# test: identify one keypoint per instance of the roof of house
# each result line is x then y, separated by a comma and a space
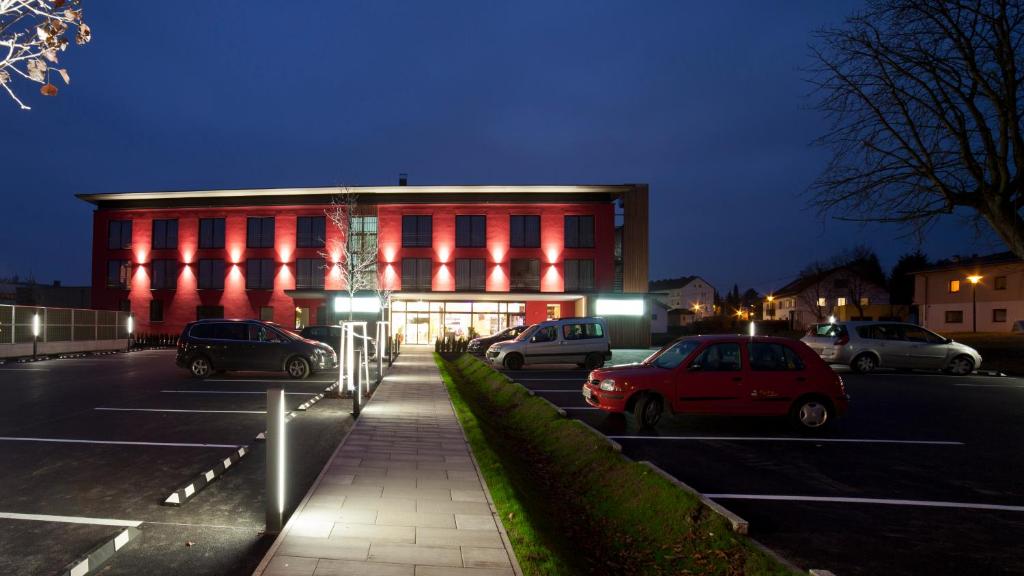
672, 283
975, 261
803, 282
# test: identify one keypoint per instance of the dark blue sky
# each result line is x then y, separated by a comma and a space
705, 101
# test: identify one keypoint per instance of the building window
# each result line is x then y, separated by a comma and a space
416, 274
119, 272
309, 274
156, 310
211, 232
165, 234
470, 231
363, 246
260, 232
865, 301
579, 275
579, 231
119, 234
525, 273
840, 301
524, 231
469, 274
954, 316
259, 274
211, 274
267, 313
310, 231
204, 312
821, 302
417, 231
165, 275
954, 286
999, 283
999, 315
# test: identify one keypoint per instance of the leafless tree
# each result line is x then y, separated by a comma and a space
819, 289
32, 34
354, 250
925, 102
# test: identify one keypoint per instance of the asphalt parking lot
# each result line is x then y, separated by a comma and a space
923, 476
92, 445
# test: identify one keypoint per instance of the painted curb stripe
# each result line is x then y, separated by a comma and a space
99, 555
115, 442
888, 501
262, 436
71, 519
182, 495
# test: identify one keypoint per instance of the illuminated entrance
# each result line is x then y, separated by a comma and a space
421, 322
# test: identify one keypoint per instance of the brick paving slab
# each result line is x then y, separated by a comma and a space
402, 496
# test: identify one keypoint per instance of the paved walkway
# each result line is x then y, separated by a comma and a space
401, 496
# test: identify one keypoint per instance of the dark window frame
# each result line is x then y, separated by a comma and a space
413, 271
259, 273
524, 230
123, 278
165, 234
310, 231
211, 233
417, 231
573, 274
528, 282
470, 231
312, 269
208, 277
996, 316
579, 231
156, 310
259, 231
165, 269
954, 316
119, 235
999, 283
470, 274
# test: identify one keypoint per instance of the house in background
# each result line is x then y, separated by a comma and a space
690, 292
945, 294
16, 291
659, 317
843, 292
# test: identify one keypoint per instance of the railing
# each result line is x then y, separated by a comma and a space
18, 324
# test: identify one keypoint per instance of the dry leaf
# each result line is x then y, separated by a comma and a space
42, 34
50, 55
36, 70
64, 75
5, 77
84, 34
48, 90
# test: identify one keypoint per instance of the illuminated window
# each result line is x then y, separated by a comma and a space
999, 283
579, 231
865, 301
469, 274
165, 275
260, 232
524, 231
309, 274
525, 274
821, 302
119, 234
954, 285
119, 272
954, 316
211, 274
310, 231
417, 231
156, 310
165, 234
999, 315
211, 232
259, 274
579, 275
416, 273
470, 231
840, 301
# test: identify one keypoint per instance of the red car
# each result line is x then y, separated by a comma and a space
741, 375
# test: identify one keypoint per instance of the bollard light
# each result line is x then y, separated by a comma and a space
751, 329
131, 325
35, 325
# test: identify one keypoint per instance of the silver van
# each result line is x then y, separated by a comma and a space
580, 341
865, 346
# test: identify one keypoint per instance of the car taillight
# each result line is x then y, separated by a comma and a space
842, 340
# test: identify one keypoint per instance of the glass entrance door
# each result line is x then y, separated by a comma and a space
417, 326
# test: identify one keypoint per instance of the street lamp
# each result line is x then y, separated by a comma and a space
974, 279
35, 333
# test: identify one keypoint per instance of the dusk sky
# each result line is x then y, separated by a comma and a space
705, 101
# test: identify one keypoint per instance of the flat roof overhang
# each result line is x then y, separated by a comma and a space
368, 195
447, 296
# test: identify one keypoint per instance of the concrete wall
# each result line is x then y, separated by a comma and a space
53, 348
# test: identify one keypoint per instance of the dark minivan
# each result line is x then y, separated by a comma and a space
208, 346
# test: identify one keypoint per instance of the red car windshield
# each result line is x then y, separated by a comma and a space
672, 355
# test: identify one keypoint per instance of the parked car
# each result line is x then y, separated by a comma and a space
865, 346
740, 375
208, 346
580, 341
479, 346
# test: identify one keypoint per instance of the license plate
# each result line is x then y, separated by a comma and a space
587, 393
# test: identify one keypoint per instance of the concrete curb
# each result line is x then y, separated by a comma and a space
817, 572
739, 525
616, 447
186, 493
89, 563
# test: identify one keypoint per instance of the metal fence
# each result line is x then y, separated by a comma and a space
18, 324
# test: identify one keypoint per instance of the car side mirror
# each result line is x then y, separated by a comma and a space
949, 340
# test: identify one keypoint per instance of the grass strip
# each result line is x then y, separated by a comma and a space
571, 505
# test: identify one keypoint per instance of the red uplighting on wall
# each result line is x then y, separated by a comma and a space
552, 280
444, 281
236, 255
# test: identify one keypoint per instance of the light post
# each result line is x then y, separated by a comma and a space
130, 325
974, 279
35, 333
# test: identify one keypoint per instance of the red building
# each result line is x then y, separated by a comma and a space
457, 258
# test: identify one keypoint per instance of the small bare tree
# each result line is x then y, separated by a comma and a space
926, 106
818, 289
32, 33
355, 252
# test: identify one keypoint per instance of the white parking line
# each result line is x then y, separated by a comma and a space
791, 439
71, 519
991, 386
26, 369
177, 410
889, 501
114, 442
233, 392
279, 380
